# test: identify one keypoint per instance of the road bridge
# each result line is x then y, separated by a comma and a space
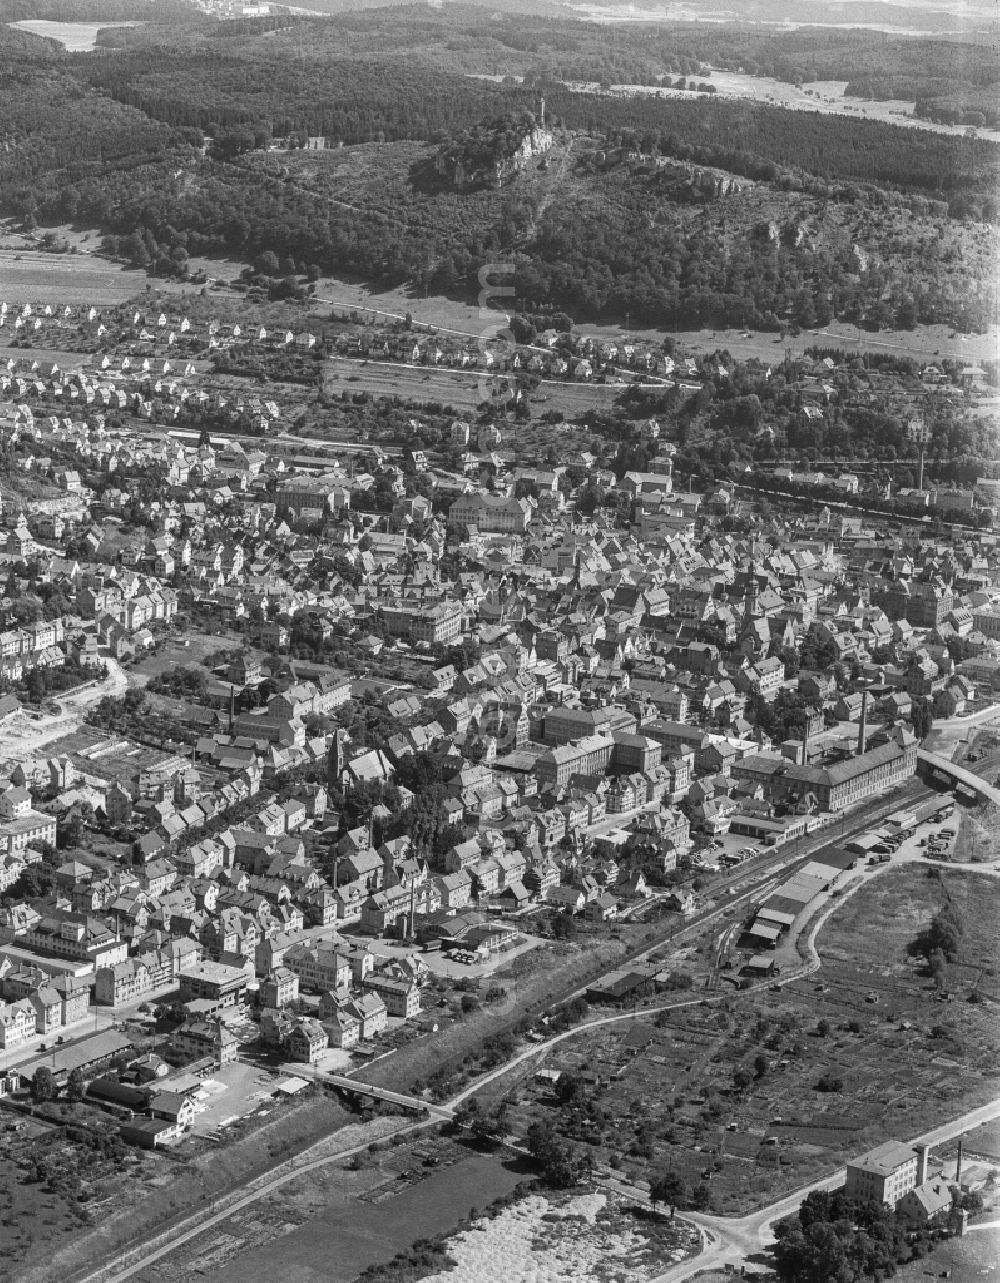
951, 773
413, 1104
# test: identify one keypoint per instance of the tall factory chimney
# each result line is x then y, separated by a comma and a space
863, 726
921, 1163
958, 1165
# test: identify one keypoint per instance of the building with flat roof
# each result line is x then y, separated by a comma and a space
214, 981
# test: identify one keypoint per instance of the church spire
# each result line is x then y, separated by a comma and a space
750, 595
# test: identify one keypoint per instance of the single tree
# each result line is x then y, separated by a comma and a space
742, 1078
75, 1085
668, 1188
43, 1085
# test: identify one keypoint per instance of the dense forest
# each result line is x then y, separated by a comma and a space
53, 128
702, 267
288, 85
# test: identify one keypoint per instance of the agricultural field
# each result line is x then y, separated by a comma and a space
459, 389
60, 279
453, 388
39, 1206
922, 343
334, 1223
52, 1186
105, 755
824, 96
772, 1090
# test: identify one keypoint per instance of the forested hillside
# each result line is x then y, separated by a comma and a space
54, 129
678, 210
300, 81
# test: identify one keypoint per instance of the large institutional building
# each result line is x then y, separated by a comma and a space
496, 514
836, 785
887, 1173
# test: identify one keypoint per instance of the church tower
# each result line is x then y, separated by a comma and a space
750, 596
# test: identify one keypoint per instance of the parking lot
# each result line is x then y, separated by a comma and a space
452, 966
335, 1060
728, 851
230, 1093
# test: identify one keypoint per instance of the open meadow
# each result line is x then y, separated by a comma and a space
455, 316
75, 37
